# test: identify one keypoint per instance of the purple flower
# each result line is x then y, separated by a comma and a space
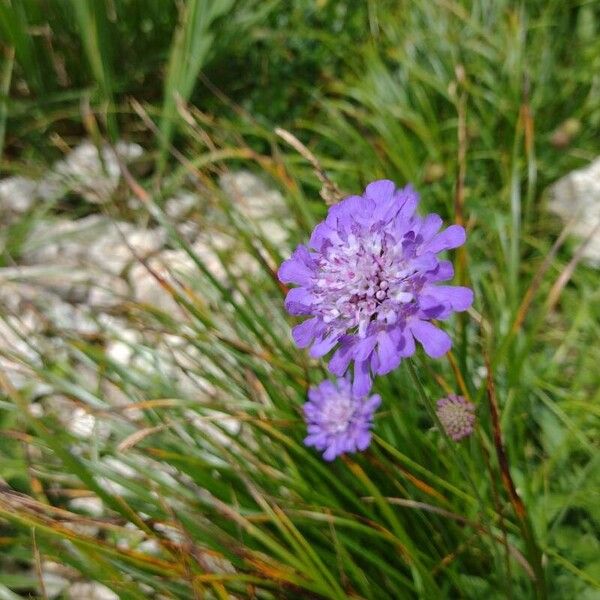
337, 420
457, 416
369, 280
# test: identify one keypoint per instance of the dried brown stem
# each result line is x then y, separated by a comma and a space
330, 192
534, 553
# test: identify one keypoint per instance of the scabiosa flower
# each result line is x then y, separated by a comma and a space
338, 421
457, 416
369, 280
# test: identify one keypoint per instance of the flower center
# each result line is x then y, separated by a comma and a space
338, 413
363, 279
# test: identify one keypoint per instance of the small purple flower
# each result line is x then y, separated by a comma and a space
369, 280
337, 420
457, 416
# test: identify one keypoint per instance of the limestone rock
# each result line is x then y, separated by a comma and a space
577, 196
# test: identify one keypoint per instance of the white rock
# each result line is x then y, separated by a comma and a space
55, 578
147, 290
177, 207
90, 505
264, 206
78, 421
20, 345
107, 291
17, 194
252, 197
93, 175
81, 423
82, 260
120, 352
73, 318
577, 196
122, 245
96, 241
91, 591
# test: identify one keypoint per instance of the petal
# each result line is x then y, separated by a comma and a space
408, 200
407, 345
374, 363
373, 403
349, 445
435, 341
432, 306
364, 347
320, 233
426, 261
430, 226
459, 297
381, 190
339, 215
298, 301
297, 268
389, 356
387, 202
330, 453
324, 345
317, 440
363, 440
305, 332
339, 362
443, 272
362, 379
452, 237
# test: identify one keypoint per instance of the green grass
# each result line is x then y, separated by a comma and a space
391, 95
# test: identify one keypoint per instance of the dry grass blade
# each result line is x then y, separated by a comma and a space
538, 278
136, 437
534, 553
407, 503
330, 192
568, 271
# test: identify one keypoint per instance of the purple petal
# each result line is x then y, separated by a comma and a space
330, 453
373, 403
430, 226
318, 440
339, 362
409, 200
364, 347
305, 332
452, 237
432, 306
321, 233
324, 345
340, 214
435, 341
362, 379
363, 440
387, 202
298, 301
381, 190
425, 262
298, 268
443, 272
460, 298
407, 345
389, 356
374, 363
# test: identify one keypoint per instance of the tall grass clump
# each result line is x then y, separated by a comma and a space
197, 455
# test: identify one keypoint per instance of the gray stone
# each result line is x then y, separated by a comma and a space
576, 197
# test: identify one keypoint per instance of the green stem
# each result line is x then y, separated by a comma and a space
451, 445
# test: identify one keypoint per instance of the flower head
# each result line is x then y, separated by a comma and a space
369, 281
457, 416
337, 420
